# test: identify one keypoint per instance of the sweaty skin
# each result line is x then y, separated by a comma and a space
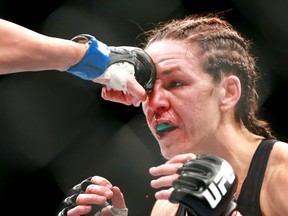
182, 83
203, 114
31, 51
189, 114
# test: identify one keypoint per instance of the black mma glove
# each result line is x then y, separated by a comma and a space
206, 187
70, 201
99, 57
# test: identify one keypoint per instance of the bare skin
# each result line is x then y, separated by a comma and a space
202, 112
98, 193
25, 50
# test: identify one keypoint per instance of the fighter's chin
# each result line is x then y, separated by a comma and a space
168, 153
166, 156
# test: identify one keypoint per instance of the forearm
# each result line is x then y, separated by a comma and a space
26, 50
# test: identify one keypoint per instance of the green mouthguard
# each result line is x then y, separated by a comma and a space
164, 126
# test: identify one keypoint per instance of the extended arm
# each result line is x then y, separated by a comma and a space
129, 71
25, 50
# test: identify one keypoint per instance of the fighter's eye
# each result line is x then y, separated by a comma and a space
175, 84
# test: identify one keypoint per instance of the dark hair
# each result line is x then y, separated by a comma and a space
224, 51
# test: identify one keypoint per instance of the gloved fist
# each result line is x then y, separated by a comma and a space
206, 186
70, 201
110, 65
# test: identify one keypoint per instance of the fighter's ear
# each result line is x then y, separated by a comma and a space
232, 87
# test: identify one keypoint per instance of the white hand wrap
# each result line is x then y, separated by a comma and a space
118, 211
115, 76
114, 211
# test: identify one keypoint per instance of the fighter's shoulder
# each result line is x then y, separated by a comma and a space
275, 182
278, 164
280, 152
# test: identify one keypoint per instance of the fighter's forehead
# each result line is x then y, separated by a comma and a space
167, 50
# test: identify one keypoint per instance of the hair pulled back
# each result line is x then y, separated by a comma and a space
224, 52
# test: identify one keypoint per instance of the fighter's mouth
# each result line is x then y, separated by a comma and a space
164, 128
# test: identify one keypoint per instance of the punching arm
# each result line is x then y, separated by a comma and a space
111, 65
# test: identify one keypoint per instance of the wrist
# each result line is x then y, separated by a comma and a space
76, 50
81, 48
95, 60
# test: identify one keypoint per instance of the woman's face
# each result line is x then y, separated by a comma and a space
183, 110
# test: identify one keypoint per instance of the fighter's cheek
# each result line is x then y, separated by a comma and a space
148, 112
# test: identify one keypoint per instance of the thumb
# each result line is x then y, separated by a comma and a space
135, 89
118, 198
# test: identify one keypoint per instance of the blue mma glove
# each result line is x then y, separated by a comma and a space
95, 61
206, 186
99, 57
70, 201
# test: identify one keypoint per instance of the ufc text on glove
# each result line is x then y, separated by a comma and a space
206, 186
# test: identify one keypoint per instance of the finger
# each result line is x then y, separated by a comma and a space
163, 194
115, 96
181, 158
135, 89
118, 198
79, 210
98, 180
120, 97
164, 181
99, 190
165, 169
135, 94
88, 199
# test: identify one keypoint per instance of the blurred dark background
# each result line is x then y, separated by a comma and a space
55, 130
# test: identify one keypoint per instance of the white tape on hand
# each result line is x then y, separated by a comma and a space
116, 75
118, 211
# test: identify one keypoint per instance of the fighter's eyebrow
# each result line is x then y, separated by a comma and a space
170, 70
